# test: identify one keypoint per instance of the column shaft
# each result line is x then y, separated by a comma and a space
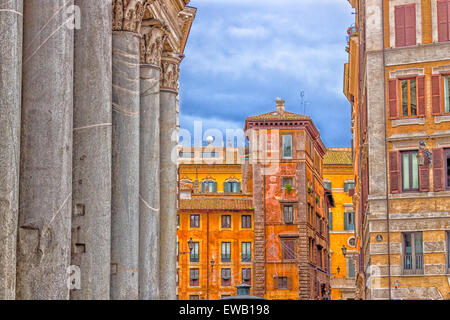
10, 102
149, 182
46, 151
91, 221
168, 219
125, 166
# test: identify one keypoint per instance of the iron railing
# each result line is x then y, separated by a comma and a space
413, 263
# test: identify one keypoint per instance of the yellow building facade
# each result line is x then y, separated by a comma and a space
339, 178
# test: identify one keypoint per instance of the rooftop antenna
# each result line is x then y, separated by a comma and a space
303, 102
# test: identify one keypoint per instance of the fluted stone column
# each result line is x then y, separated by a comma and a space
45, 202
151, 49
11, 14
91, 220
168, 157
125, 150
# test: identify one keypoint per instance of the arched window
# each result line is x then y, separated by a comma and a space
232, 186
209, 186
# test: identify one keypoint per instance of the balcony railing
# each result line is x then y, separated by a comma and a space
194, 258
246, 258
413, 264
226, 258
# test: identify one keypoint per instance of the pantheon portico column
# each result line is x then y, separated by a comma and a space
127, 18
152, 42
11, 21
168, 161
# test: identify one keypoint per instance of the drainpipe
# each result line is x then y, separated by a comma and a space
386, 153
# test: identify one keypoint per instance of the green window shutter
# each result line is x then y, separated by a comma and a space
214, 187
203, 187
226, 187
330, 220
345, 220
238, 187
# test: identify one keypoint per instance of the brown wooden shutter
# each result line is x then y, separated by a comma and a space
436, 94
400, 26
275, 283
438, 169
393, 98
424, 176
394, 171
289, 283
443, 9
421, 96
410, 25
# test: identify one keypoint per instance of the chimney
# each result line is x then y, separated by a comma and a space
280, 106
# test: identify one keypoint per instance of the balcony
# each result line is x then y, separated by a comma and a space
412, 264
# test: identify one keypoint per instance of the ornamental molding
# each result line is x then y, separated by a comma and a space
127, 15
170, 65
154, 35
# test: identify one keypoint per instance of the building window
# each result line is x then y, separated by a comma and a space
195, 256
226, 221
246, 251
210, 154
194, 297
405, 25
226, 277
319, 257
412, 253
447, 164
195, 221
209, 186
247, 276
349, 221
287, 146
226, 252
327, 185
178, 220
246, 222
282, 283
187, 155
330, 220
446, 86
288, 249
443, 16
351, 268
194, 277
410, 171
178, 251
408, 97
288, 211
448, 252
288, 181
232, 187
348, 186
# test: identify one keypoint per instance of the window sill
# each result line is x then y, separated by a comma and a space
443, 118
407, 122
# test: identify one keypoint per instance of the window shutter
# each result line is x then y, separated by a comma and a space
421, 96
410, 25
436, 94
394, 171
438, 169
345, 220
443, 9
424, 177
238, 187
393, 98
289, 283
226, 187
203, 187
275, 283
214, 187
400, 26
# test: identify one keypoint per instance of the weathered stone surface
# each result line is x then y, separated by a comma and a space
125, 167
46, 151
10, 102
168, 215
91, 222
149, 185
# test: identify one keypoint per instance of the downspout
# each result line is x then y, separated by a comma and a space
386, 152
207, 255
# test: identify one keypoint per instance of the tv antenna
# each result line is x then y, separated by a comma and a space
303, 102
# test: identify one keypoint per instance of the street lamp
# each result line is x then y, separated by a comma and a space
190, 245
212, 264
344, 250
338, 269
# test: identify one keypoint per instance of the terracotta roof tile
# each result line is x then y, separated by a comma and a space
273, 115
338, 156
216, 204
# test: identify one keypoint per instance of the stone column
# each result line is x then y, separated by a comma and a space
151, 49
45, 202
125, 150
91, 220
168, 158
11, 14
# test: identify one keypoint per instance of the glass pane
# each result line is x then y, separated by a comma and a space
415, 171
405, 159
407, 239
287, 146
404, 91
418, 242
447, 94
413, 95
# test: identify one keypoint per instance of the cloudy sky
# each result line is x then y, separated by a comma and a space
242, 54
